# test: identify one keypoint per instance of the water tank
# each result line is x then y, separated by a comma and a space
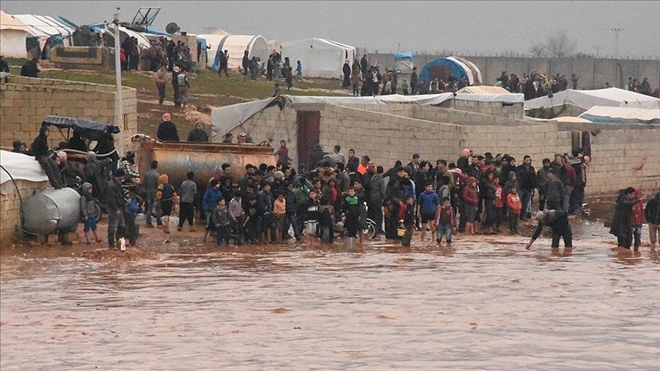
52, 210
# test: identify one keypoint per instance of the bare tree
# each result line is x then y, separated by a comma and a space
558, 45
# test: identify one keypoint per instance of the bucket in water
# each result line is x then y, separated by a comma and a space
401, 232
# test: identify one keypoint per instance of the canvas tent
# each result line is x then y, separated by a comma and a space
441, 68
319, 57
236, 45
13, 36
212, 42
46, 27
108, 34
621, 115
585, 99
403, 62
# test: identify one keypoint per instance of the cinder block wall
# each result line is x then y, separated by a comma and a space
624, 158
25, 101
10, 207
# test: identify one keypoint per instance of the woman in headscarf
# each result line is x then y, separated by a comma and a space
346, 69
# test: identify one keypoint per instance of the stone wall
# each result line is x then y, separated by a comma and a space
592, 73
10, 207
25, 101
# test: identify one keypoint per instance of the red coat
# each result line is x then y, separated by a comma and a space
470, 196
499, 192
637, 214
513, 203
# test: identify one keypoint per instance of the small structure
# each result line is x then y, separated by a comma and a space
236, 45
319, 57
579, 101
13, 36
403, 63
457, 67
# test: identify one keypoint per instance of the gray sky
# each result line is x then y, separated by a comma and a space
483, 27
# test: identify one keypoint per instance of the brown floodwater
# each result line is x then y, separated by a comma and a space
485, 303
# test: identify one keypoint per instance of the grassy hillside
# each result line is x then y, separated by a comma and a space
207, 90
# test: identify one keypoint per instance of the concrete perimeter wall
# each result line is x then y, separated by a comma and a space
25, 101
10, 207
592, 73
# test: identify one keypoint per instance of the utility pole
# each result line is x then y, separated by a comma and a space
616, 31
118, 104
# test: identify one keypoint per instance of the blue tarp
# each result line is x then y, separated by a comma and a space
403, 55
456, 69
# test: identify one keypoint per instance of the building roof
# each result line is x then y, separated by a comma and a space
585, 99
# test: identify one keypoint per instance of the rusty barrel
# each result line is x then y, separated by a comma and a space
176, 159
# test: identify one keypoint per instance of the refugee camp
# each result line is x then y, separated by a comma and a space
292, 185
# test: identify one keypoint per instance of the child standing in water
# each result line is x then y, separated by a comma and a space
88, 211
444, 221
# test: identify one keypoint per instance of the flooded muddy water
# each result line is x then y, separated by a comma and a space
485, 303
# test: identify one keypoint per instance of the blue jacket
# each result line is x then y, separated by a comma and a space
429, 201
132, 207
211, 197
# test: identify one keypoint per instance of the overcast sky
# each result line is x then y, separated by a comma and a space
483, 27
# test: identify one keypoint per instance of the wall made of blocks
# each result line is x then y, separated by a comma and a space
24, 102
386, 138
10, 207
624, 158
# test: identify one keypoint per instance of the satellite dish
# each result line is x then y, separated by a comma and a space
172, 28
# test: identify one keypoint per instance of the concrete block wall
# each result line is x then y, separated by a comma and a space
24, 102
388, 137
624, 158
10, 207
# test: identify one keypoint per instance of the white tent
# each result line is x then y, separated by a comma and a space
44, 27
621, 115
109, 32
236, 45
13, 35
585, 99
212, 42
319, 57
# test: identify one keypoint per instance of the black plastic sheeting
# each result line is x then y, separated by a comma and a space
87, 129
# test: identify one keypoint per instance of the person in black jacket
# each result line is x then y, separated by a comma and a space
167, 129
621, 222
4, 66
42, 155
652, 214
198, 134
527, 182
30, 68
558, 221
114, 201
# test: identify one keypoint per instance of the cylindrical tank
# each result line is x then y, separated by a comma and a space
52, 210
177, 159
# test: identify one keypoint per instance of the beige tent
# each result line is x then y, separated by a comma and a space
13, 35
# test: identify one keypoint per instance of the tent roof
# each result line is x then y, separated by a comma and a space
7, 22
458, 67
403, 55
621, 115
21, 167
43, 25
585, 99
316, 40
484, 89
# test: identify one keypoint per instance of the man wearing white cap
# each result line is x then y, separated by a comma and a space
167, 130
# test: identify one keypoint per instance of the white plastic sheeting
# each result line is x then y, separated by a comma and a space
21, 167
621, 115
585, 99
319, 57
226, 118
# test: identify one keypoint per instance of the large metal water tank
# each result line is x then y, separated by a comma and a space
51, 211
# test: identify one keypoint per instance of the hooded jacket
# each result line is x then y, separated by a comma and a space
87, 205
40, 143
652, 212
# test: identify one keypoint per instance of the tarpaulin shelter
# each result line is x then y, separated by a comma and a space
585, 99
319, 57
236, 45
108, 33
621, 115
441, 68
13, 36
403, 62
